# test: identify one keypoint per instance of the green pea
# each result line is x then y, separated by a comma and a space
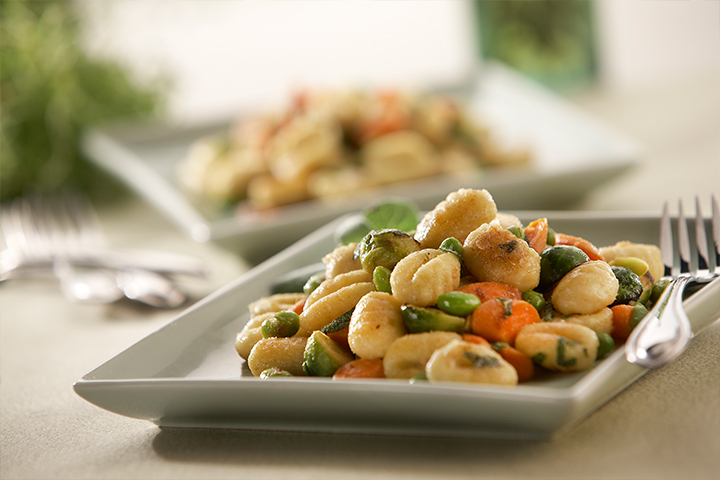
282, 324
381, 279
452, 245
535, 299
607, 344
656, 291
458, 303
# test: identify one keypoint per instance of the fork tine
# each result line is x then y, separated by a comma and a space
700, 241
716, 232
666, 242
683, 240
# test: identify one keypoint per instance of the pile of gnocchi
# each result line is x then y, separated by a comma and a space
471, 295
333, 143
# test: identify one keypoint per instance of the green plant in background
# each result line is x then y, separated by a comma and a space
50, 90
552, 41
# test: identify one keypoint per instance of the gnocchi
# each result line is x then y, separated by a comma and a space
445, 303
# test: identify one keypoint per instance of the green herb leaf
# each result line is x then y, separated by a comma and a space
398, 215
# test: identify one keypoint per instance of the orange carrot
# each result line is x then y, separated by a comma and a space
299, 306
522, 363
471, 338
488, 290
536, 234
590, 250
500, 319
361, 368
621, 321
341, 338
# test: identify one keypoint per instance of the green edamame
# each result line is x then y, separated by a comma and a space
458, 303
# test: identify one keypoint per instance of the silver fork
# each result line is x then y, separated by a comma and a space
665, 331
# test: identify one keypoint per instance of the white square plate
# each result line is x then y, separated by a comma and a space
572, 154
188, 373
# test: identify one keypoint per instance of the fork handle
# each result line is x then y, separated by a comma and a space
664, 332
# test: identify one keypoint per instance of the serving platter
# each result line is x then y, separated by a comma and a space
572, 153
188, 374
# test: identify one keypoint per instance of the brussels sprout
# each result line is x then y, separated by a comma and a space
323, 356
556, 261
381, 279
313, 282
629, 286
385, 248
421, 319
294, 281
518, 232
282, 324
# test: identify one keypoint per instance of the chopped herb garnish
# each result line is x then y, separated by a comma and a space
481, 361
507, 305
510, 246
339, 323
561, 345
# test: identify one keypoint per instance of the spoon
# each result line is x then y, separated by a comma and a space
87, 285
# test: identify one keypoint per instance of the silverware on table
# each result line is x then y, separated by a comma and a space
63, 235
665, 331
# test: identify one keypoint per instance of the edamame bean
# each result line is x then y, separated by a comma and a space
607, 344
452, 245
275, 372
282, 324
518, 232
535, 299
458, 303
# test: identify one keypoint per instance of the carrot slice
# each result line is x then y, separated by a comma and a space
299, 306
590, 250
477, 339
522, 363
341, 338
536, 233
488, 290
500, 319
361, 368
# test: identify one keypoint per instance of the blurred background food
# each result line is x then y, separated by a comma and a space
67, 66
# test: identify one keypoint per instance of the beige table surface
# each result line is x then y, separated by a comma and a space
666, 425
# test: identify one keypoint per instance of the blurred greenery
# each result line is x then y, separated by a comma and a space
50, 91
551, 41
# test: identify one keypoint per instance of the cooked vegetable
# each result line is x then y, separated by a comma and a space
500, 319
649, 253
274, 372
282, 324
637, 265
423, 319
460, 361
360, 368
297, 280
385, 248
452, 245
590, 250
522, 364
472, 338
381, 279
625, 318
458, 303
536, 234
517, 231
313, 282
535, 299
587, 288
629, 286
322, 356
606, 345
655, 292
557, 261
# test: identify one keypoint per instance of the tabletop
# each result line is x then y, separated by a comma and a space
665, 425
